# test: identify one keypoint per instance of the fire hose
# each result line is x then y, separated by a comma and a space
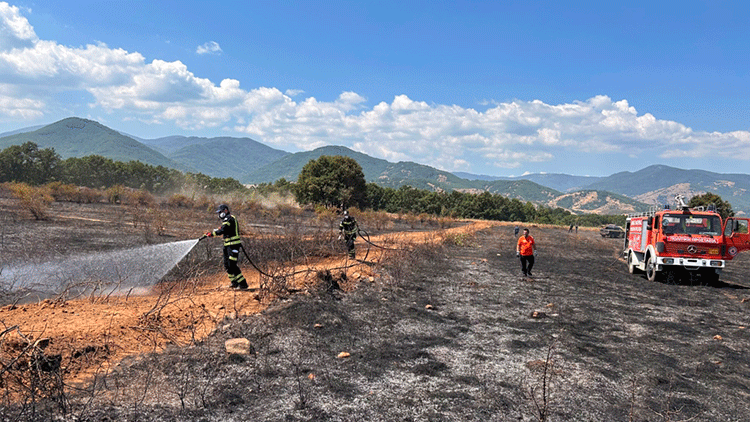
362, 233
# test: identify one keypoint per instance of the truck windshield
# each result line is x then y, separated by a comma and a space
691, 224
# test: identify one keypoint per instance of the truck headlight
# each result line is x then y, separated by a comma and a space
715, 263
668, 261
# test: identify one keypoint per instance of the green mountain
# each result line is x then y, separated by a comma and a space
597, 202
290, 165
22, 130
76, 137
557, 181
375, 170
524, 190
217, 157
658, 184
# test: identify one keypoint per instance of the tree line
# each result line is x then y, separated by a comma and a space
29, 164
338, 181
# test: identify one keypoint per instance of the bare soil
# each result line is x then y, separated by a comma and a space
439, 328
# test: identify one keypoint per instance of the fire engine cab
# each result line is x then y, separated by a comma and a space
684, 241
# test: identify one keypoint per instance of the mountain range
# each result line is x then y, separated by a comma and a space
252, 162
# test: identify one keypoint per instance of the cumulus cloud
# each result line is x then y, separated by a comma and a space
15, 30
294, 92
211, 47
451, 137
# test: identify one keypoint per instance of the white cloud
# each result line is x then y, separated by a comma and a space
294, 92
15, 30
507, 134
211, 47
24, 109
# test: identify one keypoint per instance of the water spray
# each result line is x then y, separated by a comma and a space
127, 270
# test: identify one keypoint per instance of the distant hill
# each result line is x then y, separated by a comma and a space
22, 130
170, 144
557, 181
402, 173
658, 184
217, 157
289, 166
486, 178
76, 137
597, 202
561, 182
375, 170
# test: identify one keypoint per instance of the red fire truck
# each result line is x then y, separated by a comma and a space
684, 241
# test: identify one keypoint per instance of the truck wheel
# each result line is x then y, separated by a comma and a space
651, 273
710, 277
631, 264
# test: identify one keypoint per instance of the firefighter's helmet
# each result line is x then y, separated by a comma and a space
223, 211
346, 213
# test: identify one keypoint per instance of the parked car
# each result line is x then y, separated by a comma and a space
612, 230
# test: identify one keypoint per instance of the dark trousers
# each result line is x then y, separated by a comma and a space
231, 256
349, 238
527, 263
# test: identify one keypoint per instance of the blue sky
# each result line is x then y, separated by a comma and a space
497, 88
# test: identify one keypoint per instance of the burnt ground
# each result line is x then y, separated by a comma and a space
455, 334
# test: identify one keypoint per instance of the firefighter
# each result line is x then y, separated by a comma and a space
525, 251
230, 230
348, 228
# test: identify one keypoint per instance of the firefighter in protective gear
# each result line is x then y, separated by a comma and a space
230, 230
349, 229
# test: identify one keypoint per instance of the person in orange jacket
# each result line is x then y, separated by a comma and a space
525, 251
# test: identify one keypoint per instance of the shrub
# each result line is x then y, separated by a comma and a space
204, 202
445, 222
327, 216
412, 220
115, 194
288, 210
89, 195
62, 192
377, 220
459, 239
138, 197
251, 206
179, 200
35, 199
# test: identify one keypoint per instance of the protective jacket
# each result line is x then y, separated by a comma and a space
349, 226
230, 229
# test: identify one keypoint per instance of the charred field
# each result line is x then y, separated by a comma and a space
450, 331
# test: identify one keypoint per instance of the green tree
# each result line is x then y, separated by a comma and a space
723, 207
28, 164
332, 181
